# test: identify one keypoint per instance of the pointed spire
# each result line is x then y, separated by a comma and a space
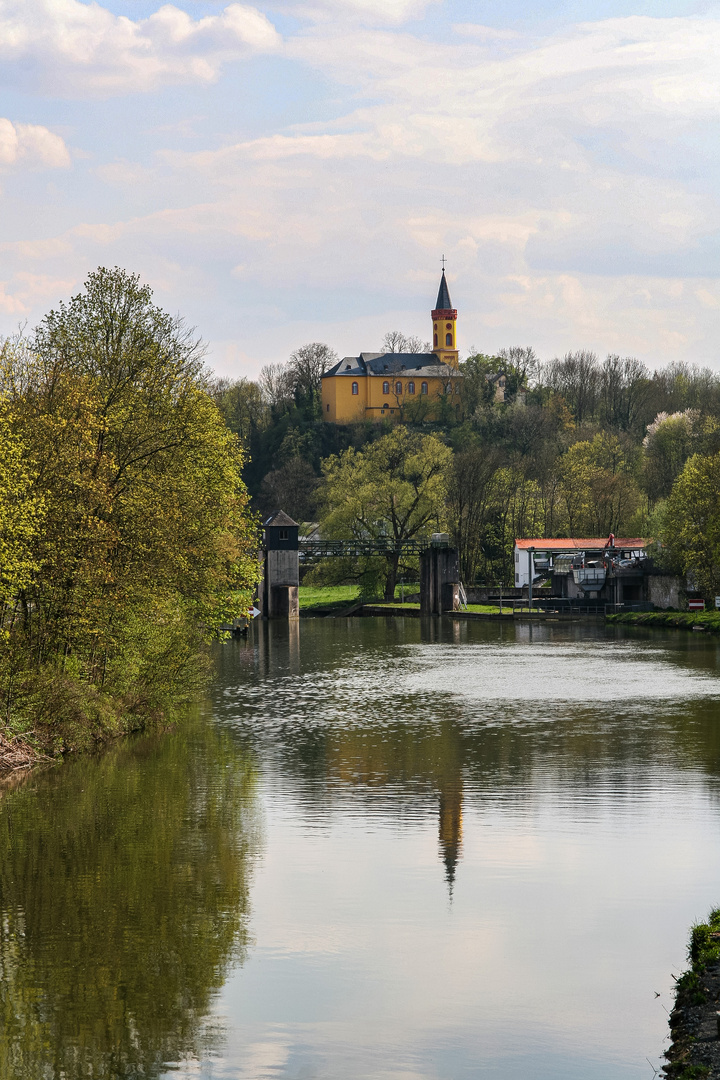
443, 298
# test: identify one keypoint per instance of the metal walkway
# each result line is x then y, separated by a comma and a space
313, 550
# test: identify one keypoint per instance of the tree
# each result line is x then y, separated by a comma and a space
241, 404
392, 490
691, 523
598, 491
669, 442
21, 512
397, 342
276, 385
524, 362
307, 365
146, 533
292, 488
577, 378
477, 390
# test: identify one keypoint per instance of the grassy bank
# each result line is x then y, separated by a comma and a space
331, 598
695, 1051
709, 620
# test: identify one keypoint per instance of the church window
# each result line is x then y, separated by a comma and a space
398, 388
448, 340
386, 389
423, 388
435, 342
411, 388
448, 326
328, 408
385, 406
355, 388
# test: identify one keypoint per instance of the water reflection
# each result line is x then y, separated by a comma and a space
561, 782
123, 903
408, 718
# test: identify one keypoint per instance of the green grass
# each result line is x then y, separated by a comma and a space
327, 597
710, 620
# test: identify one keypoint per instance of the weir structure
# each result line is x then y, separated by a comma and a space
283, 548
281, 568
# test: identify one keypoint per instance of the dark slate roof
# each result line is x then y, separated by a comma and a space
443, 302
394, 363
391, 364
281, 518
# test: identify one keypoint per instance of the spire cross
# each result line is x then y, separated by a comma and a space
443, 260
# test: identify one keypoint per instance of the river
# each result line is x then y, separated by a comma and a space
380, 850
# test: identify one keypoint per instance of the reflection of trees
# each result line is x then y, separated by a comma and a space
123, 899
325, 710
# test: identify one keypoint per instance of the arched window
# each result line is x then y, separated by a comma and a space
386, 389
448, 340
423, 388
328, 408
355, 388
411, 388
398, 388
385, 406
435, 341
457, 387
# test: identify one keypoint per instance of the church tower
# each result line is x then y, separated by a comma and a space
444, 319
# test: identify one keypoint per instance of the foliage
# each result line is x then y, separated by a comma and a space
21, 511
691, 533
686, 620
145, 533
393, 489
597, 489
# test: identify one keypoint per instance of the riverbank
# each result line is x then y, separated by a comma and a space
686, 620
694, 1052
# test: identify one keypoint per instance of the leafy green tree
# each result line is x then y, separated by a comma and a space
598, 491
242, 406
669, 442
392, 490
21, 513
146, 535
691, 523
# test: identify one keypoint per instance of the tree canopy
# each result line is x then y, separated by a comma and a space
136, 517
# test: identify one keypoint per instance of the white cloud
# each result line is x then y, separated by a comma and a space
544, 170
31, 144
71, 48
374, 12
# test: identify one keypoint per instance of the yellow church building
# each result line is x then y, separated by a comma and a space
399, 386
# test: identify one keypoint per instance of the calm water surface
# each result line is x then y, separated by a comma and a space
393, 849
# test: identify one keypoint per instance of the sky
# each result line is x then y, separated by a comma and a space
294, 171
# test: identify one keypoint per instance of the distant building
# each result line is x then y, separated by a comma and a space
399, 386
607, 570
501, 393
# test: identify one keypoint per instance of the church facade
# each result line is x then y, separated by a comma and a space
408, 387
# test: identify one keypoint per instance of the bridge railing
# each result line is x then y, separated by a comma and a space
328, 549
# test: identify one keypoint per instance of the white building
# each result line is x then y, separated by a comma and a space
535, 558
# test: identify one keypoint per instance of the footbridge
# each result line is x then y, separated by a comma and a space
284, 549
313, 550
